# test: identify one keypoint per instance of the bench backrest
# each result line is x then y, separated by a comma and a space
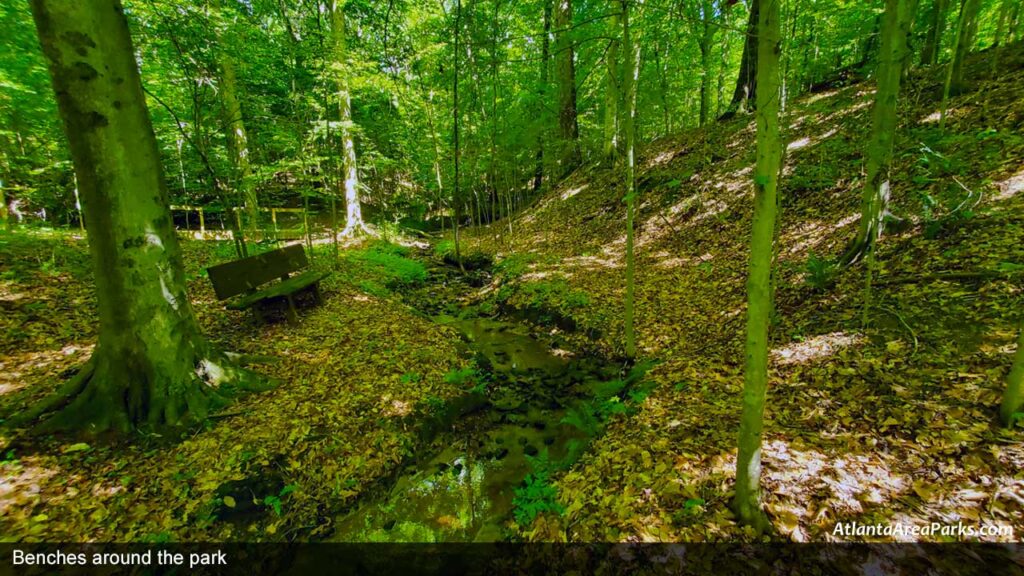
240, 276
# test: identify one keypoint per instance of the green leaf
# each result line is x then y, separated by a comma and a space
80, 447
229, 501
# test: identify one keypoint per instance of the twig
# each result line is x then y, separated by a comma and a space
902, 321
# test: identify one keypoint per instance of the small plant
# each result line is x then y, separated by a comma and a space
274, 502
514, 265
536, 495
819, 272
460, 376
583, 417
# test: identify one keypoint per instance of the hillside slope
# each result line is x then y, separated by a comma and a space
893, 422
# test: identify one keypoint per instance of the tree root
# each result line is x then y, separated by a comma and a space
105, 396
60, 398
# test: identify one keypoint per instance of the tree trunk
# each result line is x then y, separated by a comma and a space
611, 94
966, 30
705, 44
238, 142
1013, 398
632, 51
875, 198
745, 93
350, 168
4, 220
565, 59
545, 55
720, 92
456, 185
747, 503
152, 367
933, 38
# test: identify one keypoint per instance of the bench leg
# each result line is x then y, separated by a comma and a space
257, 308
292, 316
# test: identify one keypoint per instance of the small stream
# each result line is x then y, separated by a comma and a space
461, 487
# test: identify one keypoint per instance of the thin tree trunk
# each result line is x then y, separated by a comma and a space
933, 38
631, 77
724, 64
747, 503
745, 92
611, 94
966, 30
704, 44
238, 142
1013, 397
565, 59
152, 368
545, 55
455, 129
875, 198
354, 224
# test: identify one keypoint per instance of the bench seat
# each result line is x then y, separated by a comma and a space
280, 289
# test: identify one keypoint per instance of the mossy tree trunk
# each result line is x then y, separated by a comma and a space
747, 503
967, 32
631, 50
152, 367
1013, 398
565, 73
875, 196
706, 43
456, 184
745, 92
238, 143
612, 90
543, 90
936, 28
349, 166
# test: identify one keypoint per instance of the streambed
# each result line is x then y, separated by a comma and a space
462, 486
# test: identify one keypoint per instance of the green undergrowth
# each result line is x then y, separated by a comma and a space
380, 268
472, 259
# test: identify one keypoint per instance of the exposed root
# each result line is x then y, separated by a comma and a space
108, 396
60, 398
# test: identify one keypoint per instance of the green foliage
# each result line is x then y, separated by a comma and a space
460, 376
514, 265
555, 293
410, 378
385, 265
536, 495
819, 273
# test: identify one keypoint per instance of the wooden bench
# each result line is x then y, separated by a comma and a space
247, 275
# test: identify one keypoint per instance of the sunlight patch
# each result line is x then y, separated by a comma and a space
813, 348
1010, 187
573, 191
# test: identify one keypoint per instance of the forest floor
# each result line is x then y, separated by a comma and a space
357, 376
892, 422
